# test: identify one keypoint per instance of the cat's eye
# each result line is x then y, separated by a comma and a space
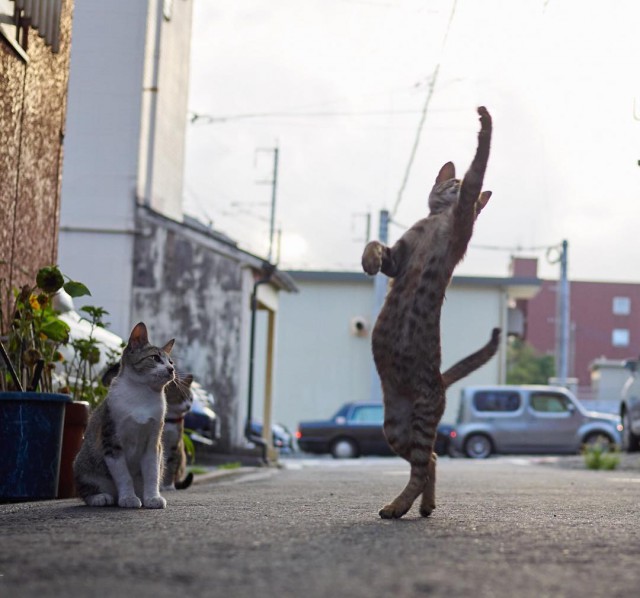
157, 358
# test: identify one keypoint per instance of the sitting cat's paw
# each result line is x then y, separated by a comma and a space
129, 502
155, 502
100, 500
372, 258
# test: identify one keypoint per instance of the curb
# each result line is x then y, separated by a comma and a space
224, 474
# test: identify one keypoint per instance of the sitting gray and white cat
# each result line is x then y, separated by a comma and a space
179, 401
120, 461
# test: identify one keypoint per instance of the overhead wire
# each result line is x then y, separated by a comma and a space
423, 117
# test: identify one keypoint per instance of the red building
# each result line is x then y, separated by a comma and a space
604, 317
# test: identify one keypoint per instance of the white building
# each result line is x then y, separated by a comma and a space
125, 138
122, 229
323, 358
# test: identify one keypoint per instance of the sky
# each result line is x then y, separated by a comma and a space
340, 87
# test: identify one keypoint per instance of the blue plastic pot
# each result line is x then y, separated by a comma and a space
31, 425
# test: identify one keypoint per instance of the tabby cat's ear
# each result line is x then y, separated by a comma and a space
484, 198
447, 172
139, 337
187, 380
167, 348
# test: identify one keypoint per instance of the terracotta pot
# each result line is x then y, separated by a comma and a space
76, 417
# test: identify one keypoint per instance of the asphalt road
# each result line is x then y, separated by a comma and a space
503, 527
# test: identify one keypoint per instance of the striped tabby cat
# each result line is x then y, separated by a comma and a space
406, 337
120, 461
179, 401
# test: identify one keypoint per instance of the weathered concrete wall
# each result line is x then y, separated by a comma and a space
32, 119
186, 288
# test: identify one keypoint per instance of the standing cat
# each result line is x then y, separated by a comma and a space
179, 400
120, 460
406, 337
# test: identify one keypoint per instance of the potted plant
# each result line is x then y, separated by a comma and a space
32, 410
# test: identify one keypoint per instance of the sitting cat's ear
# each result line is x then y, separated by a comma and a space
187, 380
139, 337
167, 348
447, 172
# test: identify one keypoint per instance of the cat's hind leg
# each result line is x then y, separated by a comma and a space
397, 421
426, 413
428, 503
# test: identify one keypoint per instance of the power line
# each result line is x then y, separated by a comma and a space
423, 117
208, 119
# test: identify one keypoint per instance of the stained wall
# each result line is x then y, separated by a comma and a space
32, 124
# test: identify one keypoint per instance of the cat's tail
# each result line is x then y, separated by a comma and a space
181, 485
472, 362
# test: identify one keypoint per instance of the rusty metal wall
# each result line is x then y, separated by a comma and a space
185, 289
32, 117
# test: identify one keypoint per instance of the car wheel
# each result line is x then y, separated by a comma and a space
478, 446
344, 448
599, 438
630, 441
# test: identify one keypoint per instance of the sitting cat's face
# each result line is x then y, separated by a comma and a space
178, 392
146, 363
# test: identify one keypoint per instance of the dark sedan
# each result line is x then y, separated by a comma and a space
355, 430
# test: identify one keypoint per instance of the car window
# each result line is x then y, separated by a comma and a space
496, 400
549, 403
369, 414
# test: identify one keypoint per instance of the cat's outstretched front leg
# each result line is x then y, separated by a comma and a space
372, 257
380, 258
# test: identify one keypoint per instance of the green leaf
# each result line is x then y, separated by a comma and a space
56, 330
76, 289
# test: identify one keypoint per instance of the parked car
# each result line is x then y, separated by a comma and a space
630, 408
281, 437
354, 430
201, 421
528, 419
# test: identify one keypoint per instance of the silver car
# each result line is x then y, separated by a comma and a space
528, 419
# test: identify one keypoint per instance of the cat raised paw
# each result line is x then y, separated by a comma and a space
372, 258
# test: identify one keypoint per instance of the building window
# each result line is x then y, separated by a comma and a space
621, 306
620, 337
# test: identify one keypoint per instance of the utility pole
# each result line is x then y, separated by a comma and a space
563, 320
379, 292
274, 186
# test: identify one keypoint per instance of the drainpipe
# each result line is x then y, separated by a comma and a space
267, 271
151, 81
